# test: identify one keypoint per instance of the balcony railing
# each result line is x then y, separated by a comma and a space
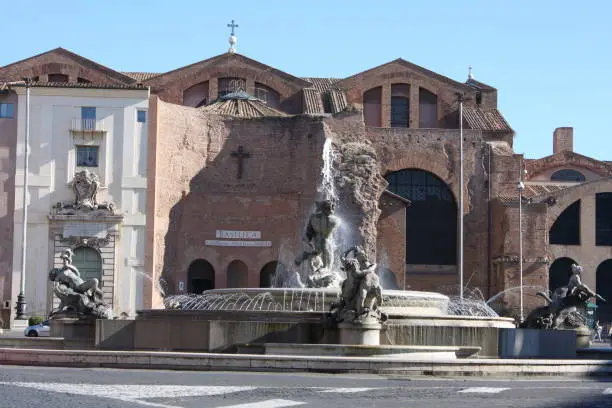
81, 125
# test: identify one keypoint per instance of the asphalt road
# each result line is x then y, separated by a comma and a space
25, 387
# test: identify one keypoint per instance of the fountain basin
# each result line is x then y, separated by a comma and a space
398, 302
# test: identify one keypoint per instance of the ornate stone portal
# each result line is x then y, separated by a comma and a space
86, 222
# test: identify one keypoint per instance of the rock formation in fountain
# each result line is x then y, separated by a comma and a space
347, 211
358, 186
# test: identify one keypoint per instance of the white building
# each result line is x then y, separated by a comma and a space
100, 134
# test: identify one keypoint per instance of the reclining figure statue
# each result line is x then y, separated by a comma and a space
82, 297
562, 309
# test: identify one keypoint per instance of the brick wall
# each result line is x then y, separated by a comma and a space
197, 190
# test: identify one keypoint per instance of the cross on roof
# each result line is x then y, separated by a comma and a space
233, 25
240, 154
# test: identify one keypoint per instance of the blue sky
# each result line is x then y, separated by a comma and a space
550, 60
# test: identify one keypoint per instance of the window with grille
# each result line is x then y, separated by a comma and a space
87, 156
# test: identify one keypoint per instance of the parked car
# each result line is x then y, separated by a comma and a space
37, 330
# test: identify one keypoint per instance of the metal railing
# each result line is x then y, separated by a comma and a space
87, 125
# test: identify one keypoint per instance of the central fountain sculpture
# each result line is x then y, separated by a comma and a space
329, 299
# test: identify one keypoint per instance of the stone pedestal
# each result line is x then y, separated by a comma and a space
74, 329
364, 333
583, 337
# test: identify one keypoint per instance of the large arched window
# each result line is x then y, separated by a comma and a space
89, 263
237, 275
566, 229
196, 95
431, 218
603, 286
372, 107
567, 175
200, 276
230, 85
400, 105
428, 109
603, 219
559, 273
267, 95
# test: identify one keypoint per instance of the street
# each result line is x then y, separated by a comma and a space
24, 387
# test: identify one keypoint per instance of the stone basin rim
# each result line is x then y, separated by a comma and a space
331, 291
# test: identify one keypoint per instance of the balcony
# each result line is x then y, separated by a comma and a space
81, 126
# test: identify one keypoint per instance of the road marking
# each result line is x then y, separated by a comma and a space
346, 390
132, 393
607, 391
483, 390
273, 403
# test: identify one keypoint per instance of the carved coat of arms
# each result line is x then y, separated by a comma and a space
85, 186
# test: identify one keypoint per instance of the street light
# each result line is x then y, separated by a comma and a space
21, 303
520, 187
460, 214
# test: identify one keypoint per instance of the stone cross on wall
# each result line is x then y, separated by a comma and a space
240, 154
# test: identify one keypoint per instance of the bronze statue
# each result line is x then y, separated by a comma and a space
361, 292
562, 309
76, 295
321, 226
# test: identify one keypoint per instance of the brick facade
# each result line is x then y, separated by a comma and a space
194, 189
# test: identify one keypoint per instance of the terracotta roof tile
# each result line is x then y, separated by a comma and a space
313, 104
337, 99
80, 85
141, 76
322, 84
242, 107
485, 119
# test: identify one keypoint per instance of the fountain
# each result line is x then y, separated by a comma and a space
331, 300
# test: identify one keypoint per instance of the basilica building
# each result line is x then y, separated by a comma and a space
213, 170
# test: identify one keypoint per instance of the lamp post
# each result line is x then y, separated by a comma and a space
520, 187
460, 210
21, 302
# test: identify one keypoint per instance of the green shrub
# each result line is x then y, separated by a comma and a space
35, 320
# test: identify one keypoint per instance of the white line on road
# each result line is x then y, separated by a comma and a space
346, 390
273, 403
607, 391
483, 390
132, 393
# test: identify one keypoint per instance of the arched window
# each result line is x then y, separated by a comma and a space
603, 286
271, 275
431, 218
559, 273
603, 219
566, 229
372, 107
196, 95
428, 109
200, 276
83, 80
89, 263
230, 85
267, 95
237, 275
58, 78
400, 105
567, 175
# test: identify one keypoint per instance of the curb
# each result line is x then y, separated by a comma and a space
158, 360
